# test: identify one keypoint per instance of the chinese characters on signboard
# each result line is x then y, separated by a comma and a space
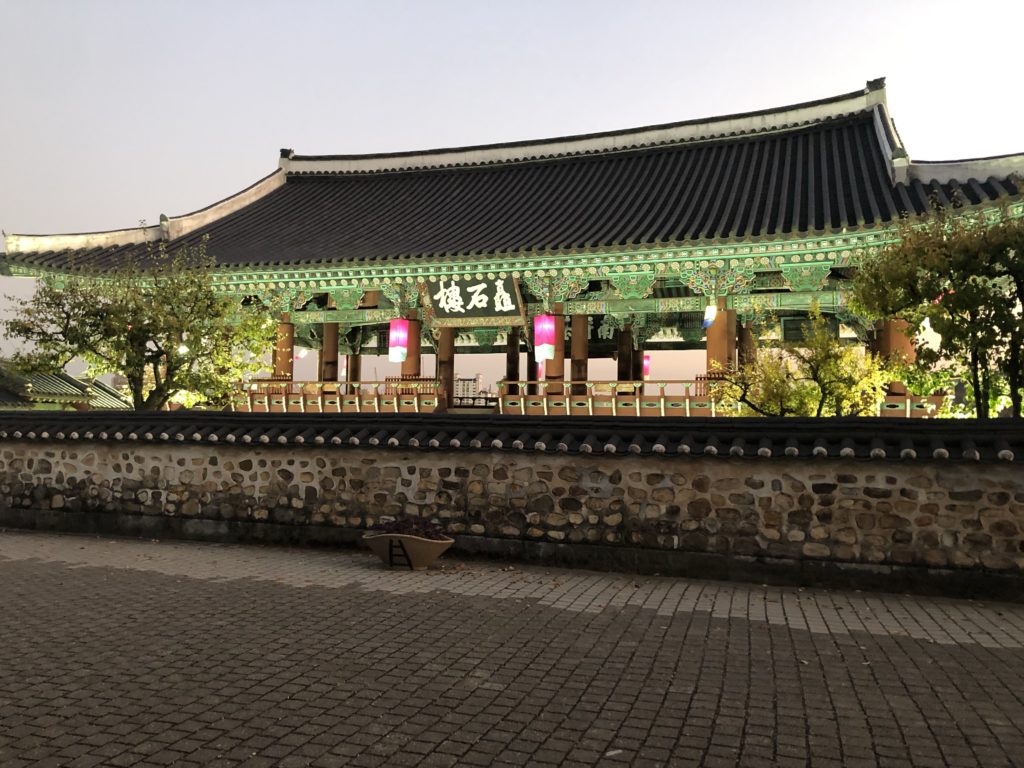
491, 301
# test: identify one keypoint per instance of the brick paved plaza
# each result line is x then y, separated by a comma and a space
118, 652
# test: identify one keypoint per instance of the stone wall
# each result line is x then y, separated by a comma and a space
928, 514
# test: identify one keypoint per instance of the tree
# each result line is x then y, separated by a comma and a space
160, 324
819, 376
963, 273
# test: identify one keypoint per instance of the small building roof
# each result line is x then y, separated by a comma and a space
19, 391
833, 165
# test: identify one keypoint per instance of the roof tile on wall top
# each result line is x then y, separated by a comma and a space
682, 439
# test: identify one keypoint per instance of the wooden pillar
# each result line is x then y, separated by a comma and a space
625, 353
554, 369
284, 349
532, 374
532, 367
578, 351
512, 358
638, 363
722, 338
329, 353
411, 364
353, 368
354, 361
746, 345
446, 366
894, 341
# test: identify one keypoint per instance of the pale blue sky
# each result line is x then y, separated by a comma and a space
119, 110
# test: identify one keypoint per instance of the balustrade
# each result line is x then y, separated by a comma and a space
389, 396
667, 397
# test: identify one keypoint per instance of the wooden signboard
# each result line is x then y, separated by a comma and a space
476, 303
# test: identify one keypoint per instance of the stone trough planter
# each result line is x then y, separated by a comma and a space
414, 552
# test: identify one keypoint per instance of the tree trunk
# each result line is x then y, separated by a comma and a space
1013, 375
980, 402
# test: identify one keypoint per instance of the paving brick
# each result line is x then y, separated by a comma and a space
120, 652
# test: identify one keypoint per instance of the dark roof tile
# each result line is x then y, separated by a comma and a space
827, 176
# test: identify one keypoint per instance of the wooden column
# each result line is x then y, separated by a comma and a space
353, 368
411, 364
722, 338
578, 351
512, 343
893, 338
284, 349
746, 345
354, 361
531, 362
638, 363
894, 341
446, 366
554, 369
625, 353
532, 373
329, 353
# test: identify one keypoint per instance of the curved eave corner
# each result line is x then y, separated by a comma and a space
981, 168
170, 227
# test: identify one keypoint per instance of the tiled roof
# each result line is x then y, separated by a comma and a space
42, 387
55, 386
748, 438
10, 399
839, 167
104, 397
23, 390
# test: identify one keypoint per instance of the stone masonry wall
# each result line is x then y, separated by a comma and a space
937, 514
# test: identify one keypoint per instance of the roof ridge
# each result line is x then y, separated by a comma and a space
596, 154
737, 124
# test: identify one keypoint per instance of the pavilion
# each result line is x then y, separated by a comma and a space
627, 239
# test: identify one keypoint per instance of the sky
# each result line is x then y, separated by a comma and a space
115, 111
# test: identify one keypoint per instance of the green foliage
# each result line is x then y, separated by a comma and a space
769, 385
819, 376
159, 324
963, 273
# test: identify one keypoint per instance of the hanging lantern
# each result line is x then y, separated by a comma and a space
647, 367
710, 312
543, 337
398, 340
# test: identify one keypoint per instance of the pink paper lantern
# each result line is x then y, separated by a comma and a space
543, 338
398, 340
647, 367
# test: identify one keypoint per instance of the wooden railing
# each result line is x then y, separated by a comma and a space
388, 396
911, 406
679, 397
674, 398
